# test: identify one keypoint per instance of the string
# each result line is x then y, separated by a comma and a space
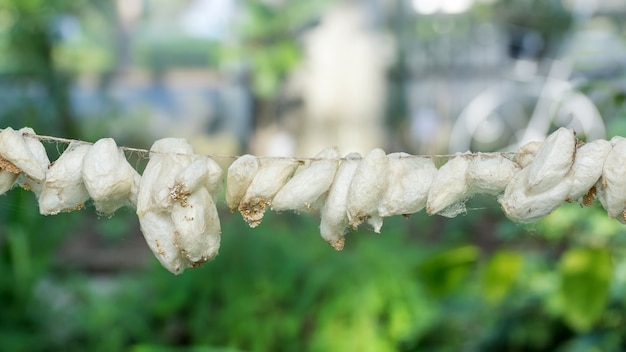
144, 153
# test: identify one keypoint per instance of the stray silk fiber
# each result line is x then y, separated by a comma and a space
175, 198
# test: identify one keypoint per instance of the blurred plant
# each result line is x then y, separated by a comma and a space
268, 41
26, 255
29, 40
548, 18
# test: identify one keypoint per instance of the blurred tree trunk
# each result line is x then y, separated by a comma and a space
31, 47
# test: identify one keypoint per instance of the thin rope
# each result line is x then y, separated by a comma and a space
144, 153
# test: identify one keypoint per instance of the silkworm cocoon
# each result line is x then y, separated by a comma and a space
157, 191
39, 155
192, 177
7, 179
553, 161
490, 173
526, 153
215, 178
240, 174
108, 176
134, 190
8, 175
334, 217
158, 229
449, 188
203, 171
272, 175
366, 189
408, 181
612, 188
522, 206
177, 215
197, 227
306, 186
25, 153
587, 167
63, 189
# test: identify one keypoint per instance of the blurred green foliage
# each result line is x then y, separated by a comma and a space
281, 288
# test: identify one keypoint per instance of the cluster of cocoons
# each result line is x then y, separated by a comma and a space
175, 197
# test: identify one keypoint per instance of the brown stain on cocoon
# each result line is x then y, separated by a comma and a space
271, 176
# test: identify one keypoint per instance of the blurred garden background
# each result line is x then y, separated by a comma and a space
290, 77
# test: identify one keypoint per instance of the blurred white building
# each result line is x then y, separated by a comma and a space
343, 81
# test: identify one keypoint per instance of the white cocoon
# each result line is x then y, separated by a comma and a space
272, 175
306, 186
202, 172
197, 226
174, 186
63, 189
7, 179
159, 231
526, 153
490, 173
408, 181
215, 178
26, 153
553, 161
612, 188
108, 176
366, 189
587, 167
520, 205
168, 157
240, 174
334, 217
193, 176
449, 189
40, 156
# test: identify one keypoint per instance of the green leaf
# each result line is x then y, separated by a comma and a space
585, 280
500, 274
445, 271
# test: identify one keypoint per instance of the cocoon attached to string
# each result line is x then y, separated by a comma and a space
611, 190
202, 172
523, 206
408, 181
553, 161
25, 153
108, 176
545, 183
168, 157
176, 211
63, 190
587, 169
366, 189
449, 190
306, 186
490, 173
41, 157
271, 176
526, 153
334, 213
240, 174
